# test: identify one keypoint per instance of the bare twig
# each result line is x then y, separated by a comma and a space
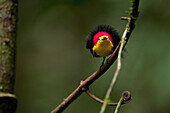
86, 83
125, 94
126, 97
99, 100
107, 97
125, 18
118, 105
129, 27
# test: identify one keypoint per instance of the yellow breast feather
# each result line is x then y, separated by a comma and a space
103, 48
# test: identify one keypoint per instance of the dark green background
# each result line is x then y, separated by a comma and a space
52, 58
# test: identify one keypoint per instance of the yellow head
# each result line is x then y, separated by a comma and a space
103, 47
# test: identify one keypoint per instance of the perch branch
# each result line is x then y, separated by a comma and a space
86, 83
129, 27
107, 97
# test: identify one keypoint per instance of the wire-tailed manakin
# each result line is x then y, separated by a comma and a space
102, 41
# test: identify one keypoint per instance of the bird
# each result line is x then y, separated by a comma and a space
102, 41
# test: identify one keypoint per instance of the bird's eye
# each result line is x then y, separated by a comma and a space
98, 39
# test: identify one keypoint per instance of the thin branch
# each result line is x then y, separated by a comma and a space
124, 18
118, 105
107, 97
125, 94
128, 30
98, 99
86, 83
126, 97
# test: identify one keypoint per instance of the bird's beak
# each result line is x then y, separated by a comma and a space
104, 38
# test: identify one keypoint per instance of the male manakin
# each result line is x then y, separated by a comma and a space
102, 41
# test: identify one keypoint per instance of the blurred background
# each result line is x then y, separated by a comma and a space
52, 58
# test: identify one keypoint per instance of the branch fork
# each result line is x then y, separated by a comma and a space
126, 98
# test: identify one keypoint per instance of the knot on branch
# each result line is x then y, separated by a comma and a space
125, 18
126, 97
84, 89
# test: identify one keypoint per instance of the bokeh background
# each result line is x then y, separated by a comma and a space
52, 58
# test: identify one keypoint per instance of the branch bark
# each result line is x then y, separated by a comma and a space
8, 17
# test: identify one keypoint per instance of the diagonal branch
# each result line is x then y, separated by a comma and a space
128, 30
86, 83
